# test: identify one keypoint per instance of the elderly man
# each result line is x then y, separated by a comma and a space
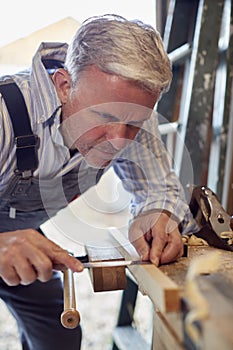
89, 107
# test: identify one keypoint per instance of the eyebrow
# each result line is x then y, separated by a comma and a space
105, 114
114, 118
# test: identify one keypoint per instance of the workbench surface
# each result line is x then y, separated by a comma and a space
216, 288
224, 275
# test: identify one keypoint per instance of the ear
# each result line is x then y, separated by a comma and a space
62, 82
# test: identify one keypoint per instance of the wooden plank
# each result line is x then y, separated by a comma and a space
106, 278
216, 288
164, 293
164, 336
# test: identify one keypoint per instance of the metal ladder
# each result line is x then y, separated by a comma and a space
197, 39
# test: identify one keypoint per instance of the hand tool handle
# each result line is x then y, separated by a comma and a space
70, 317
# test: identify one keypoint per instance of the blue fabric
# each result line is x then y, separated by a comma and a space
37, 309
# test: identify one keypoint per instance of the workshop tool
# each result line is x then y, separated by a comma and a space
70, 317
110, 276
112, 263
214, 222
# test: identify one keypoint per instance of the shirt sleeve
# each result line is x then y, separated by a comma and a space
146, 173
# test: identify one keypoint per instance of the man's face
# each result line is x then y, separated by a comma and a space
103, 114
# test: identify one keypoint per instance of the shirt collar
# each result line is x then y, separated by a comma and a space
43, 90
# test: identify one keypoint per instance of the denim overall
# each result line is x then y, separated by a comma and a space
36, 307
27, 202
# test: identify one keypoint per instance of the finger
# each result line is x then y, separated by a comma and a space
158, 244
25, 271
58, 255
31, 263
72, 263
173, 250
161, 233
27, 260
10, 277
61, 257
59, 267
142, 247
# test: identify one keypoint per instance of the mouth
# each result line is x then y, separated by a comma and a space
105, 153
100, 152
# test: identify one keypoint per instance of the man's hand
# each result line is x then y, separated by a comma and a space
26, 255
156, 237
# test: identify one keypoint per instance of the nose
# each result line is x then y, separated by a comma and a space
117, 135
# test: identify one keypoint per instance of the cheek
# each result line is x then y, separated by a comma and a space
91, 137
132, 132
68, 109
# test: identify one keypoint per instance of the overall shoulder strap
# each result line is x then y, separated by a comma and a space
26, 142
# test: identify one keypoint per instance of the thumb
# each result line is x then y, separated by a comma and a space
142, 247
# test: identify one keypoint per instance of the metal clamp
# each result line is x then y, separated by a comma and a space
214, 222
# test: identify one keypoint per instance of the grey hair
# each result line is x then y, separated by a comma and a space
130, 49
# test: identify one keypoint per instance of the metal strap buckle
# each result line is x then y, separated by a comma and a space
26, 141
